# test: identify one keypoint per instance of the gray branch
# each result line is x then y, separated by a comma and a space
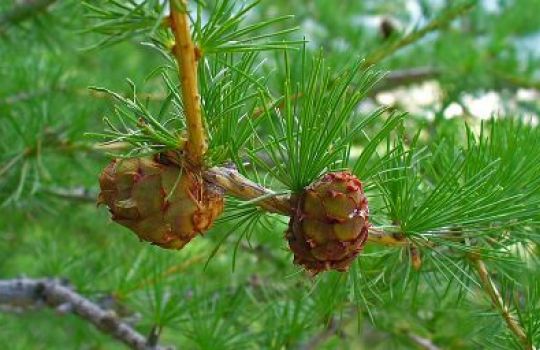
405, 77
423, 343
77, 194
27, 293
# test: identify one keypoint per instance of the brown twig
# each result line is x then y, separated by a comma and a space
186, 56
405, 77
496, 299
239, 186
516, 81
389, 238
27, 293
438, 23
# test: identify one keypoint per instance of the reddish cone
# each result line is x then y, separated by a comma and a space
330, 226
159, 201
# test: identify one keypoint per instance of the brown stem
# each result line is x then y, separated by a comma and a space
438, 23
30, 293
237, 185
185, 54
382, 237
496, 299
404, 77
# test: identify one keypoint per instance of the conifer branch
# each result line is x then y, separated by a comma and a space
404, 77
496, 299
30, 293
185, 53
237, 185
422, 342
436, 24
77, 194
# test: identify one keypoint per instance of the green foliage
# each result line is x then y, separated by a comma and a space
122, 20
310, 125
483, 185
146, 133
230, 88
223, 31
283, 111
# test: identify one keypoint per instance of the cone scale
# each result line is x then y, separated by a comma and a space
330, 225
161, 202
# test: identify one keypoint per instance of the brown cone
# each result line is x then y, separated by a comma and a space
161, 202
330, 225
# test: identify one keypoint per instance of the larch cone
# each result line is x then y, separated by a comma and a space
330, 225
160, 201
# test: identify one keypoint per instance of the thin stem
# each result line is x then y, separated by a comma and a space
404, 77
186, 56
382, 237
77, 194
422, 342
237, 185
496, 299
439, 22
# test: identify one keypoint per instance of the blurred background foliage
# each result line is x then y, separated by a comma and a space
484, 63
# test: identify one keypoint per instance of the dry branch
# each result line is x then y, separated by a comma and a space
404, 77
423, 343
238, 186
27, 293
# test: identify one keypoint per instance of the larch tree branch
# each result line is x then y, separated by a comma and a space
405, 77
186, 55
238, 186
497, 301
423, 343
24, 293
436, 24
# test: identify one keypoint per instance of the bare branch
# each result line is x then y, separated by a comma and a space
405, 77
423, 343
333, 328
27, 293
76, 194
239, 186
